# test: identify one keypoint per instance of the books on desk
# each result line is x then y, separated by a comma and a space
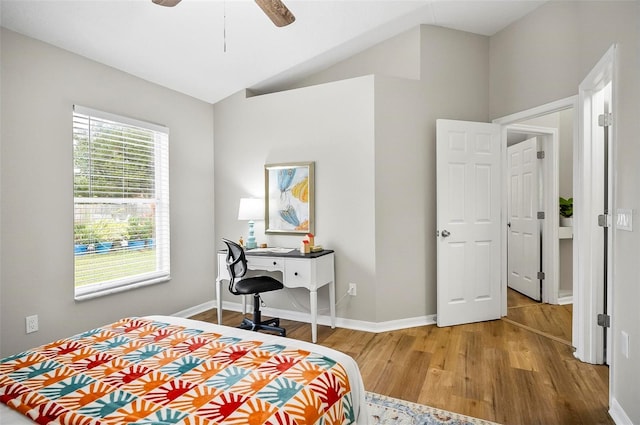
275, 250
279, 250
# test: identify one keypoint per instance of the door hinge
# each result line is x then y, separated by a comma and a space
603, 220
540, 154
604, 320
605, 120
540, 215
541, 275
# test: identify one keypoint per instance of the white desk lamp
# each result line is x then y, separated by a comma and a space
251, 209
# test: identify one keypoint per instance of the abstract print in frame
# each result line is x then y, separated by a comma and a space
289, 193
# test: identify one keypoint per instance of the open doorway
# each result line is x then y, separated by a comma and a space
592, 247
594, 233
542, 149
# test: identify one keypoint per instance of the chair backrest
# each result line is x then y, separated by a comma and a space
236, 263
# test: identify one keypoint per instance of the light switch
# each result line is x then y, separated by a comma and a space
624, 219
624, 344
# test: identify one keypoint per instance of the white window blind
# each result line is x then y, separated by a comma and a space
121, 203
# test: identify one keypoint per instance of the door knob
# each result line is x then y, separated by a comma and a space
445, 233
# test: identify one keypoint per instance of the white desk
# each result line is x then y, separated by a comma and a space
310, 271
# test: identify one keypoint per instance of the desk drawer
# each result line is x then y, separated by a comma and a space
298, 273
267, 264
223, 273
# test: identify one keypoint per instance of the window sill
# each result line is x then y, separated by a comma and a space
116, 289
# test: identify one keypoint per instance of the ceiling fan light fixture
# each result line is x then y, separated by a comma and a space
167, 3
279, 14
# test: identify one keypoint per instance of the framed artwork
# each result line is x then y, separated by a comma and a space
289, 198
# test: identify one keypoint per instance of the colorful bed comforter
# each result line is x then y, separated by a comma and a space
145, 371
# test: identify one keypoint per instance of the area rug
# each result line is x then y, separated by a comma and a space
385, 410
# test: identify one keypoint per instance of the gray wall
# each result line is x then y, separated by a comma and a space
40, 85
332, 125
399, 56
543, 57
389, 247
404, 164
450, 86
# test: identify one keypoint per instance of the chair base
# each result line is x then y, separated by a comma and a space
268, 325
257, 324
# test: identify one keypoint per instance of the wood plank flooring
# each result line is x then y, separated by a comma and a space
550, 320
492, 370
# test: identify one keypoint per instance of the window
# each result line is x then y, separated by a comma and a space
121, 203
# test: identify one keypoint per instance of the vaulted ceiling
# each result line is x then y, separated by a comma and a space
210, 49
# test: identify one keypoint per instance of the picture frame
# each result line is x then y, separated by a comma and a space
289, 198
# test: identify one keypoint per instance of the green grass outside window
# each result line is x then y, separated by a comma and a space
116, 264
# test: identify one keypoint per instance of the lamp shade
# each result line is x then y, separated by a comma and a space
251, 209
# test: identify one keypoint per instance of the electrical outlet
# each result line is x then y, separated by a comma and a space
352, 289
32, 323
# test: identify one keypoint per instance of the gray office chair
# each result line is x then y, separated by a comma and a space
255, 285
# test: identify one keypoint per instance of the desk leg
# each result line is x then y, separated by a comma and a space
219, 301
332, 303
313, 303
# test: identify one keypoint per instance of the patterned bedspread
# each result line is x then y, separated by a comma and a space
141, 371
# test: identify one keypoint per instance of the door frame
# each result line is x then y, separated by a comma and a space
550, 245
588, 292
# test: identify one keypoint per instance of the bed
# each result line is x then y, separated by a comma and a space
168, 370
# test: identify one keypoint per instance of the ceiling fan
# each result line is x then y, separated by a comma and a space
279, 14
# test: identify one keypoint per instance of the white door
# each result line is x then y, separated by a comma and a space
468, 222
523, 245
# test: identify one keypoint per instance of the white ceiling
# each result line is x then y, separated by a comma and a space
183, 47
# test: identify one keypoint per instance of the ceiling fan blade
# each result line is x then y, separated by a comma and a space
168, 3
276, 11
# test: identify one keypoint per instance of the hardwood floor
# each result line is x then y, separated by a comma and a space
492, 370
550, 320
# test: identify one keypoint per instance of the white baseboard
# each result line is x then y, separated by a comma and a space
618, 414
358, 325
565, 300
192, 311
